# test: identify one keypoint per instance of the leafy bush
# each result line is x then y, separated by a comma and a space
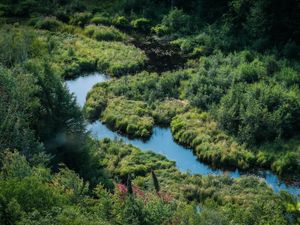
141, 24
160, 30
73, 55
123, 160
192, 44
291, 50
260, 112
121, 21
128, 116
81, 19
166, 110
198, 131
288, 77
104, 33
177, 22
251, 72
100, 19
48, 23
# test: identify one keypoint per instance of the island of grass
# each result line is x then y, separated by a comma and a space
130, 115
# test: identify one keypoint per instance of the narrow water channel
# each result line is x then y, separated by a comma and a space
161, 141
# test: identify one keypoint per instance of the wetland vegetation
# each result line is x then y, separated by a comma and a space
223, 75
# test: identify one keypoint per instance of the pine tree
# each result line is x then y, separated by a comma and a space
155, 182
129, 185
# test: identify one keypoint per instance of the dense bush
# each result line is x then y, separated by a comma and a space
121, 21
123, 160
145, 86
141, 24
76, 54
48, 23
204, 86
96, 102
192, 45
260, 112
128, 116
73, 54
81, 19
166, 110
104, 33
199, 131
101, 20
177, 22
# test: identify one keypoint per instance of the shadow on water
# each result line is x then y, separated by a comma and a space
162, 142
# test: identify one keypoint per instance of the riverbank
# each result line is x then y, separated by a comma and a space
161, 142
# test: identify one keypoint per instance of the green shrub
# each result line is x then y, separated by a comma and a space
121, 21
81, 19
288, 76
48, 23
104, 33
160, 30
141, 24
291, 50
113, 58
177, 22
195, 45
166, 110
282, 156
251, 72
130, 117
98, 20
198, 131
260, 112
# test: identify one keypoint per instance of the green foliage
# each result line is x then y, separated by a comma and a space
103, 33
177, 22
74, 54
17, 102
121, 21
199, 131
101, 20
141, 24
37, 112
260, 112
160, 30
81, 19
251, 96
122, 160
166, 110
282, 155
208, 86
222, 199
128, 116
39, 197
192, 44
141, 93
48, 23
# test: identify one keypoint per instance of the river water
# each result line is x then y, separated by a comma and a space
162, 142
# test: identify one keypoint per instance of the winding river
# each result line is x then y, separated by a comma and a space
162, 142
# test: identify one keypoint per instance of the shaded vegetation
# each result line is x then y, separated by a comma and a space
235, 103
32, 194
